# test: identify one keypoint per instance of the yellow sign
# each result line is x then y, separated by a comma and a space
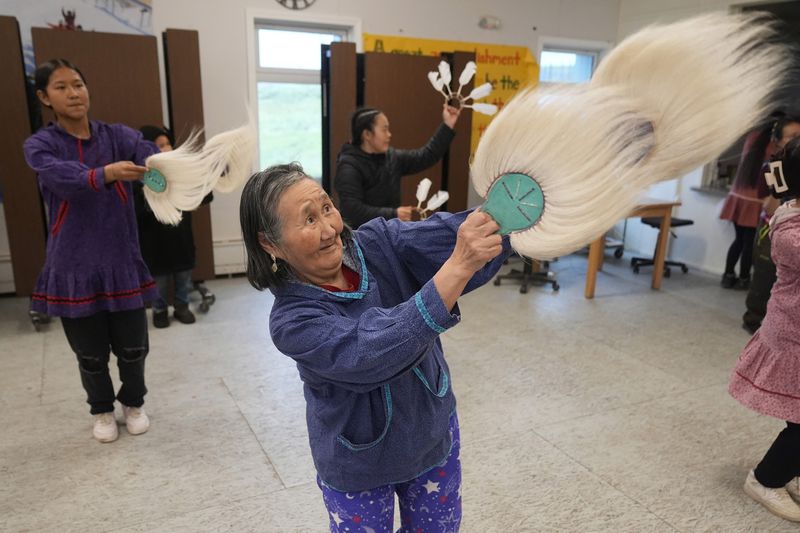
508, 68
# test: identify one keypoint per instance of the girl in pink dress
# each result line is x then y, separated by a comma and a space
743, 204
767, 376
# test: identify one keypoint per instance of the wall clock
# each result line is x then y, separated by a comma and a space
296, 4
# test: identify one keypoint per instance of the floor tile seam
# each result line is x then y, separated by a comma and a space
639, 282
628, 405
252, 432
685, 299
43, 403
520, 331
663, 291
598, 477
679, 301
607, 482
629, 354
697, 386
193, 511
626, 355
618, 355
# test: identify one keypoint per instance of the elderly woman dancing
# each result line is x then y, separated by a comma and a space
361, 313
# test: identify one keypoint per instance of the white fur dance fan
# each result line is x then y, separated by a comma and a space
178, 181
559, 165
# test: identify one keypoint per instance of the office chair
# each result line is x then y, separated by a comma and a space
527, 276
655, 222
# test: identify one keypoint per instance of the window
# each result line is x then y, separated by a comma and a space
289, 94
566, 66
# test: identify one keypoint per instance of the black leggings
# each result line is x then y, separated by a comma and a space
781, 464
742, 247
92, 338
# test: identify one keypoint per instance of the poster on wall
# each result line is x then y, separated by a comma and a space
508, 68
113, 16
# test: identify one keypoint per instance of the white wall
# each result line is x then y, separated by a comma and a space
224, 61
705, 244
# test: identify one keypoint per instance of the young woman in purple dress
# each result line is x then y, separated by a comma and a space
94, 277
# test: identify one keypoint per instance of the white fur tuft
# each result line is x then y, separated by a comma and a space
665, 101
192, 171
704, 82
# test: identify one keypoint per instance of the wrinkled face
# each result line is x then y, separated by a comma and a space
790, 131
311, 230
162, 141
377, 140
66, 94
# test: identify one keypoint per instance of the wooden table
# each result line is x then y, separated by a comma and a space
648, 208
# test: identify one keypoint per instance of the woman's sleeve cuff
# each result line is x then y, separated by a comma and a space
432, 309
507, 244
96, 178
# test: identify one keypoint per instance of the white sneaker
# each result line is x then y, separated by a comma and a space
793, 488
105, 427
135, 419
777, 501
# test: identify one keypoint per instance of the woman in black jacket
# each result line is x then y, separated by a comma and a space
368, 170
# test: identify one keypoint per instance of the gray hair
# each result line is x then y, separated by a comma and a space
258, 215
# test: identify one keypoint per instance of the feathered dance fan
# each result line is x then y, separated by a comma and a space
559, 165
434, 202
178, 181
441, 82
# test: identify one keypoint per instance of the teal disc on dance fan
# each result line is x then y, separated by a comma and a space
155, 180
515, 202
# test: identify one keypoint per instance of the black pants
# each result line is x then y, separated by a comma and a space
763, 279
741, 248
92, 338
781, 464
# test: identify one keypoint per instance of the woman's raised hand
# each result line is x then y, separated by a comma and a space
477, 243
123, 171
450, 115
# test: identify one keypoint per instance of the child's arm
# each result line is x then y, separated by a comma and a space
770, 204
67, 179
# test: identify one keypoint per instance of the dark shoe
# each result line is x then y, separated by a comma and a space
728, 281
750, 328
742, 284
183, 315
161, 319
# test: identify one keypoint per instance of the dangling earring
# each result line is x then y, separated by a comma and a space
274, 264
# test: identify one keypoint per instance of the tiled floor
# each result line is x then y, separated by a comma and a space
576, 415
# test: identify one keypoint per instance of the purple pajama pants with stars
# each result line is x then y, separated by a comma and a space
430, 503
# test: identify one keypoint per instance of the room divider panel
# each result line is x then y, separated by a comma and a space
121, 72
21, 202
185, 99
339, 83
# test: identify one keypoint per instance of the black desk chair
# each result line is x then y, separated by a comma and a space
655, 222
527, 276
